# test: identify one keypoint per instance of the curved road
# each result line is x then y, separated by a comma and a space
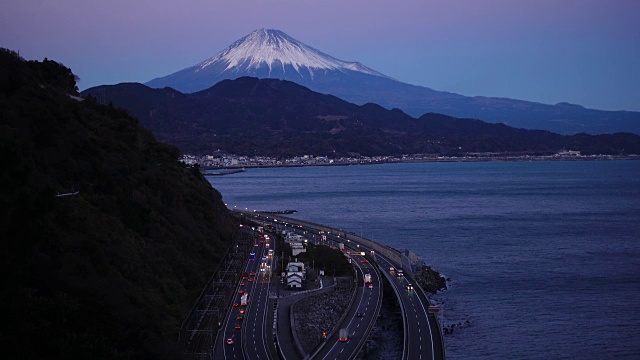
423, 339
360, 318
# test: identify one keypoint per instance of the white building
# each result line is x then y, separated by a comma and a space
296, 274
294, 238
297, 248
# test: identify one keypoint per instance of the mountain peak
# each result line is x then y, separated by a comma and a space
276, 50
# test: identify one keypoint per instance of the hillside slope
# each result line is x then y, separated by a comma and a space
251, 116
111, 270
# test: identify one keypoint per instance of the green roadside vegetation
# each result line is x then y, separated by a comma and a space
318, 257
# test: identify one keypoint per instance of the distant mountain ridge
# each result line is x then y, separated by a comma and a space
267, 53
251, 116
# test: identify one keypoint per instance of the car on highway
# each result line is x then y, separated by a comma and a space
238, 327
409, 287
241, 311
365, 261
250, 280
242, 283
344, 335
229, 341
239, 318
370, 286
391, 269
253, 273
240, 291
236, 304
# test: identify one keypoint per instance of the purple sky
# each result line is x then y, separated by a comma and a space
585, 52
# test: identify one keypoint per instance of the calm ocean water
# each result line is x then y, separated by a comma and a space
543, 257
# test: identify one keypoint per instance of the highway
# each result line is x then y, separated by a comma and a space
249, 341
360, 318
422, 337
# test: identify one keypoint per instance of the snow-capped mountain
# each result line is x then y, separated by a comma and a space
264, 53
269, 53
277, 51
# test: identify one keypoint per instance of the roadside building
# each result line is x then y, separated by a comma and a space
294, 238
297, 248
296, 274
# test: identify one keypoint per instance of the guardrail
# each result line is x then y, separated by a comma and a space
405, 326
391, 254
199, 329
339, 322
375, 314
386, 251
425, 300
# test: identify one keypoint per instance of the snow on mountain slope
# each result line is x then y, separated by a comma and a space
267, 53
274, 48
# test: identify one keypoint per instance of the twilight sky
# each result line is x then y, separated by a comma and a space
585, 52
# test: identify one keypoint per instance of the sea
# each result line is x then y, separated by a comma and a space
542, 258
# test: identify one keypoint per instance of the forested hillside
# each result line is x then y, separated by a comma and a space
250, 116
110, 270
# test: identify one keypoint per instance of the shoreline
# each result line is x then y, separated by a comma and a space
355, 162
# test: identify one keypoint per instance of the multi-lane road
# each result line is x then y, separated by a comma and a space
422, 337
360, 318
244, 332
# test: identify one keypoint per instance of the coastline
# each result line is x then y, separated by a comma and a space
393, 160
557, 223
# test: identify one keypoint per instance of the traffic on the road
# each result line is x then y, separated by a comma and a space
249, 329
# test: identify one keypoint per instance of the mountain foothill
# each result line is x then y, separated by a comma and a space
271, 117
